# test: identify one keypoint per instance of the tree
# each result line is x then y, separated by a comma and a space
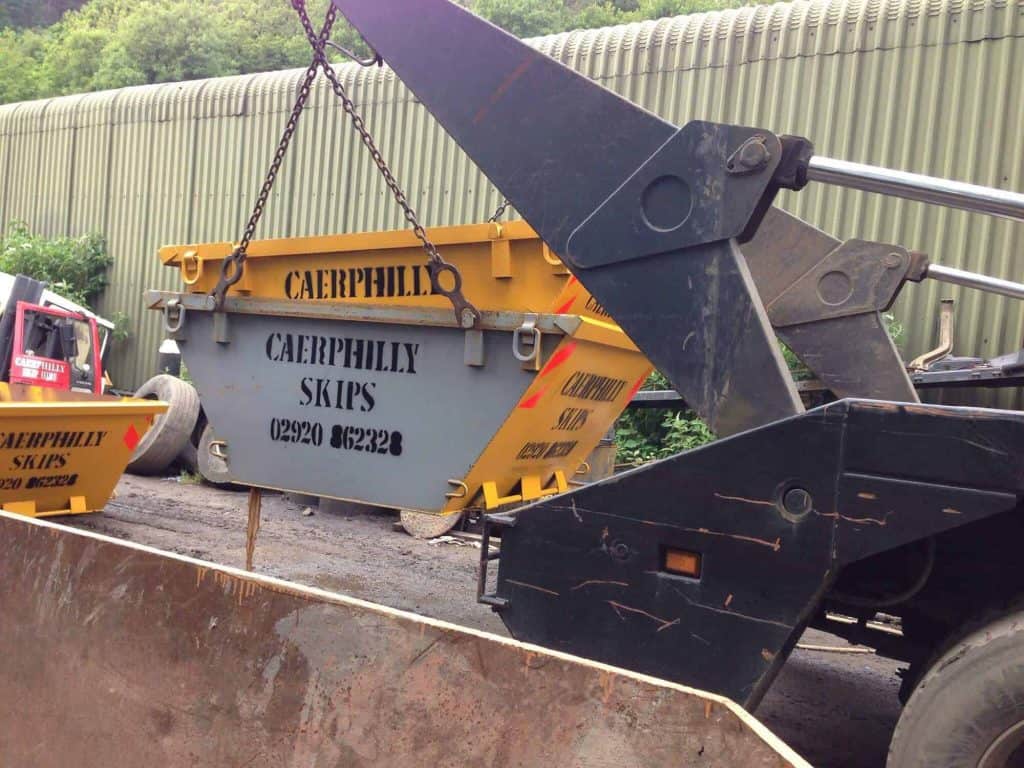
524, 18
69, 64
165, 42
601, 15
19, 65
114, 43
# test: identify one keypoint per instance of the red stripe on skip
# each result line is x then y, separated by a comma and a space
558, 358
636, 387
565, 307
533, 399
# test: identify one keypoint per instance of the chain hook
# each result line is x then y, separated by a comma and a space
375, 59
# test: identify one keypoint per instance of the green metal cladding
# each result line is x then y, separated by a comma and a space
933, 87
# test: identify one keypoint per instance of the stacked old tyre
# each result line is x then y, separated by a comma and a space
171, 441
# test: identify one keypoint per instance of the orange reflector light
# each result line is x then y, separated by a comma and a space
682, 562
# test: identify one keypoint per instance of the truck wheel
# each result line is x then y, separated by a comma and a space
968, 709
164, 441
213, 469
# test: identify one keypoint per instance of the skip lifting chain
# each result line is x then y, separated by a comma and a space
231, 269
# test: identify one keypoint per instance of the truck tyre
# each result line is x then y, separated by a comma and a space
165, 440
968, 709
213, 469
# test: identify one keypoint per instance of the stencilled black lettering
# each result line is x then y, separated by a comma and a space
51, 481
385, 442
343, 352
594, 307
339, 394
543, 451
572, 419
42, 461
363, 282
594, 387
28, 441
297, 431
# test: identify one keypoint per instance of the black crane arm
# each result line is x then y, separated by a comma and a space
645, 214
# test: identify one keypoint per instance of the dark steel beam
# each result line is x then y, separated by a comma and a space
643, 212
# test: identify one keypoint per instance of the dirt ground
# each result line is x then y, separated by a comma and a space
836, 709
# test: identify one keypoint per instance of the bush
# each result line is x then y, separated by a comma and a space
646, 434
74, 267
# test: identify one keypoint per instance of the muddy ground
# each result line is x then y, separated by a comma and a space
836, 709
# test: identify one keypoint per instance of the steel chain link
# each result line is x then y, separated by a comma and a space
466, 314
232, 267
500, 210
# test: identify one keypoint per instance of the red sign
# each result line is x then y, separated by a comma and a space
41, 371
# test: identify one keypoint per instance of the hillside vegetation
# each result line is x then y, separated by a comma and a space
59, 47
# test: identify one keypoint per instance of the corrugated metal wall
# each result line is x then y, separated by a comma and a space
934, 87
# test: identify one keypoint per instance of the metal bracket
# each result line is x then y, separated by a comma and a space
683, 196
221, 328
857, 277
461, 492
491, 522
366, 62
530, 356
174, 316
191, 268
474, 348
819, 293
945, 347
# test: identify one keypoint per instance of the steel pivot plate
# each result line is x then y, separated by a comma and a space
644, 213
824, 299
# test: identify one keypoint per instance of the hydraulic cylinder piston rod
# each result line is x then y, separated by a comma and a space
974, 280
914, 186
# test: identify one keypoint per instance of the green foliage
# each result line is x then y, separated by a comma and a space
524, 18
20, 57
646, 434
190, 478
113, 43
122, 326
74, 267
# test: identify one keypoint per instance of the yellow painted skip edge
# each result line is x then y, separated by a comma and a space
171, 255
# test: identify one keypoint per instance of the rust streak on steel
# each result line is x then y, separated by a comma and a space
728, 601
533, 586
588, 582
759, 502
857, 520
665, 623
500, 91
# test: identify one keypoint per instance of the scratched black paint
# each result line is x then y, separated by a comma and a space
880, 475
